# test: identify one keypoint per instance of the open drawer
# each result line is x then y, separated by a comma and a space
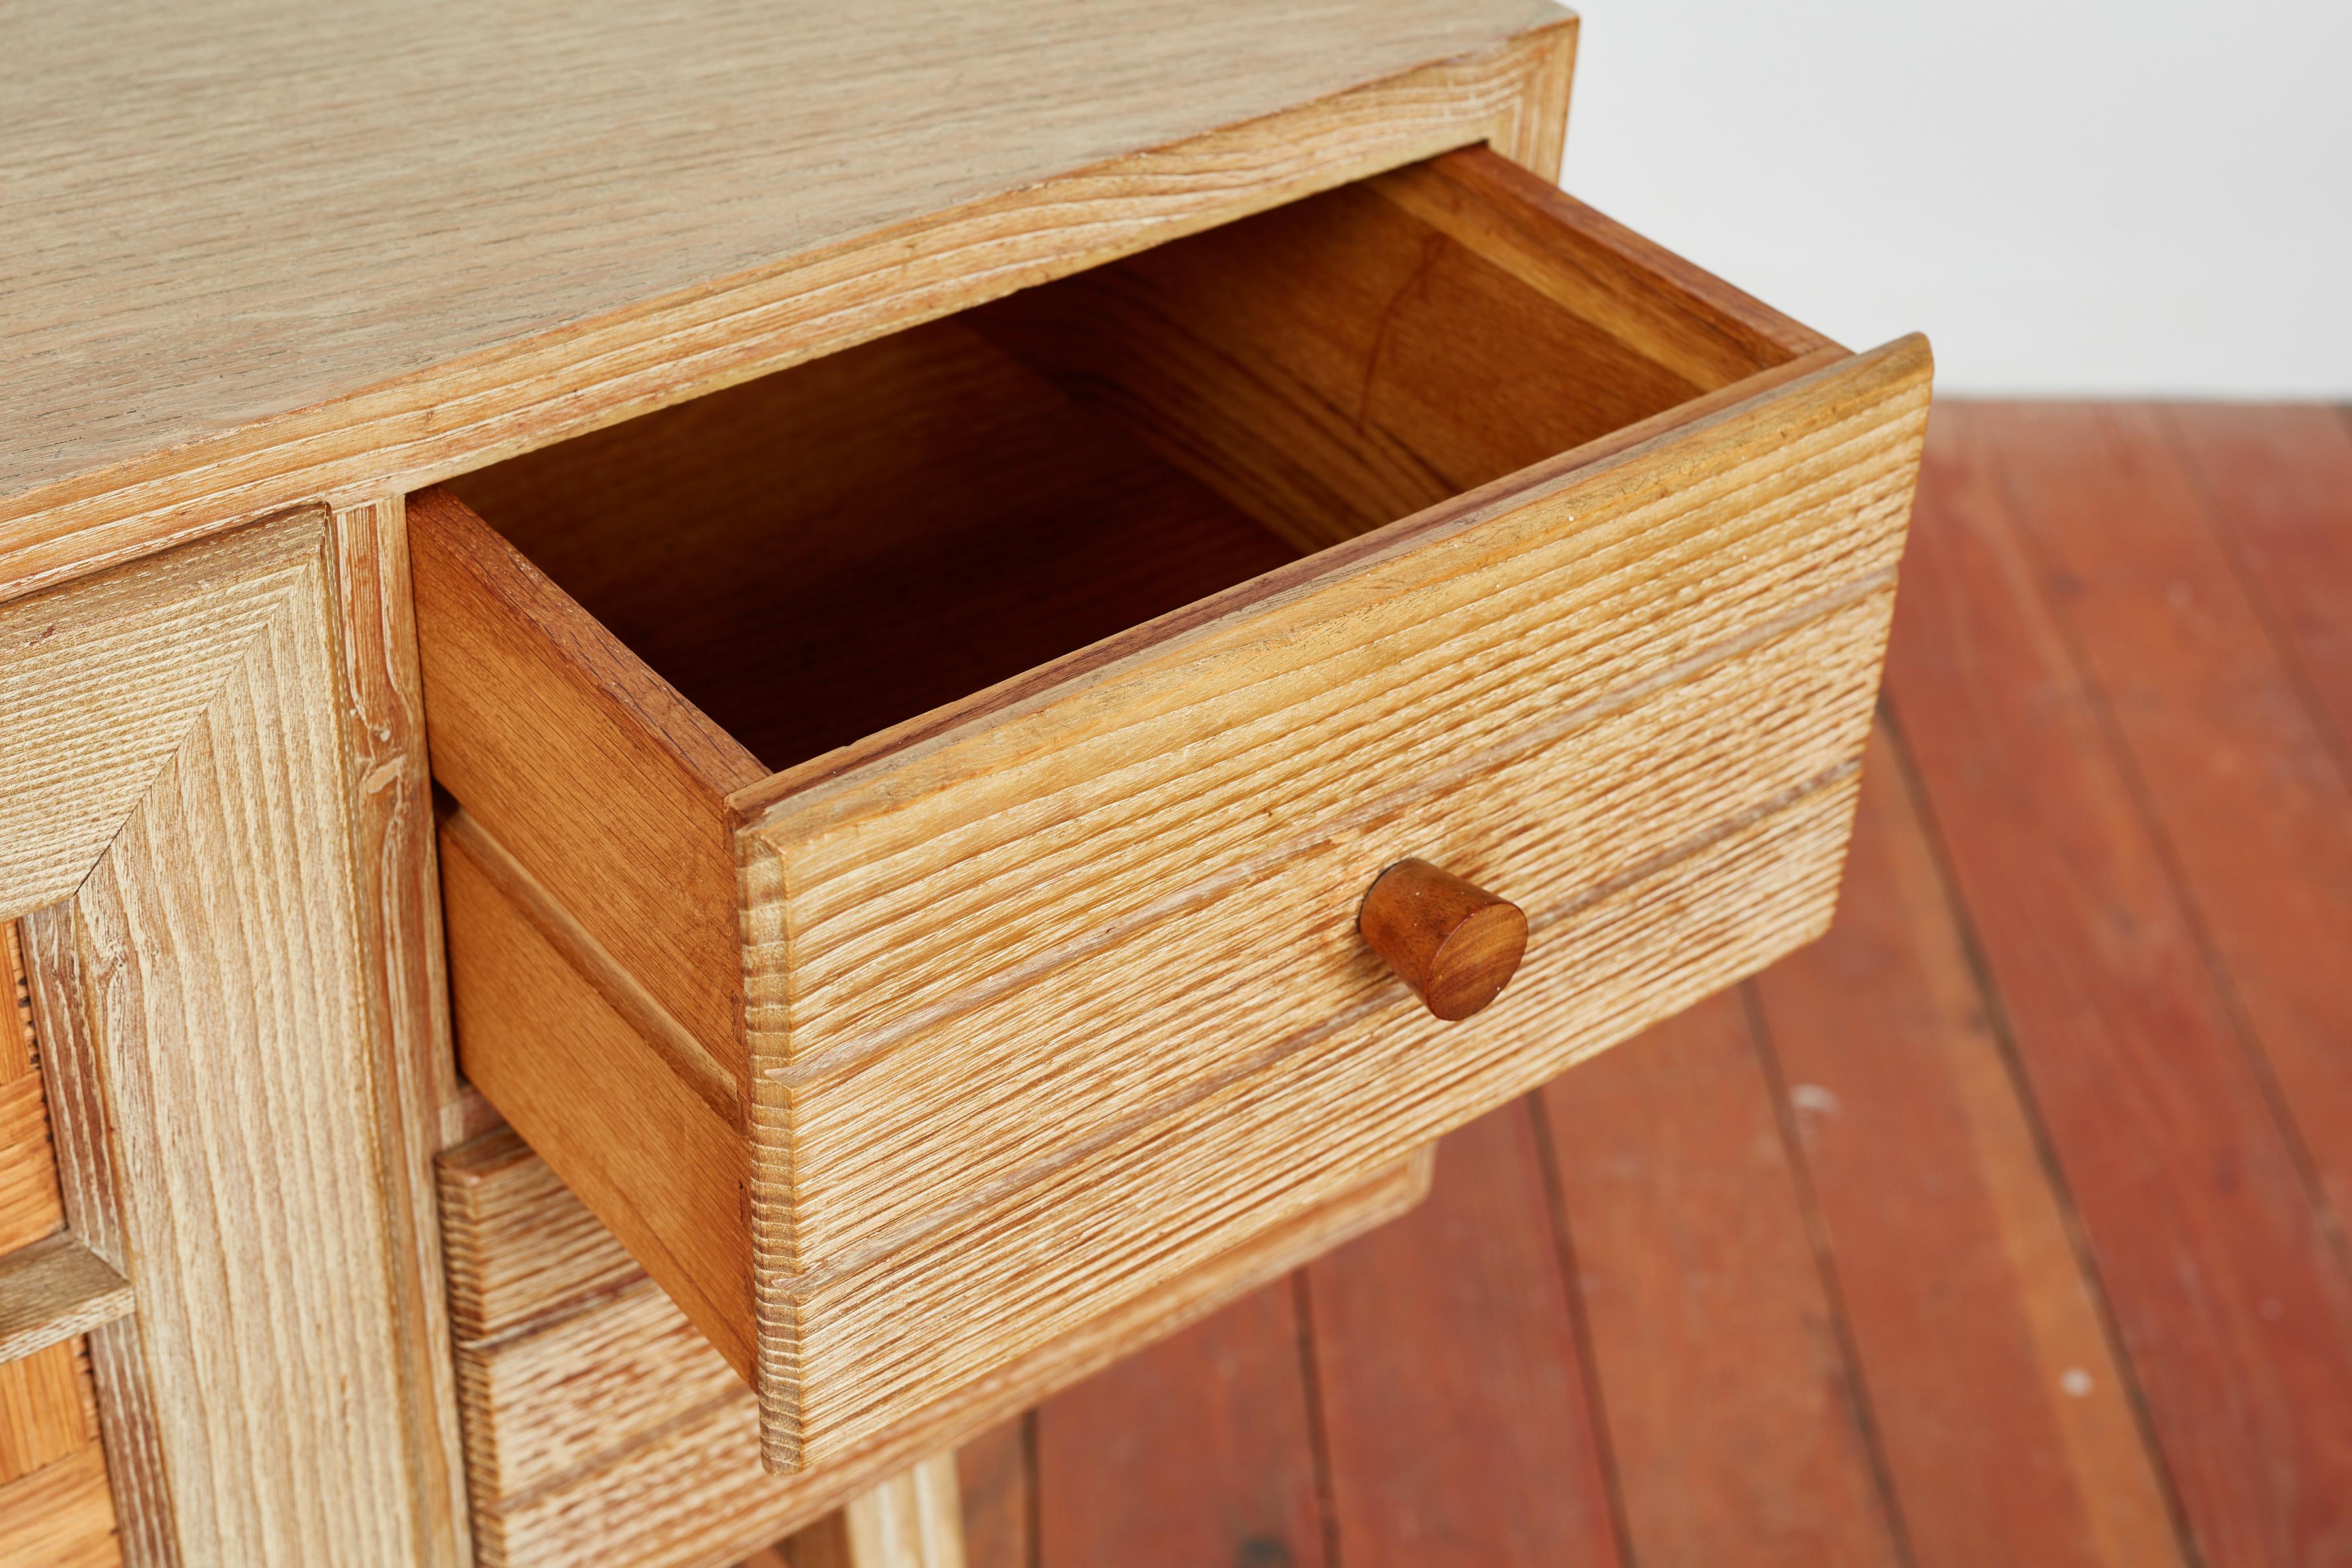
907, 815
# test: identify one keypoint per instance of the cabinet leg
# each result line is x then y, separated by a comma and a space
914, 1519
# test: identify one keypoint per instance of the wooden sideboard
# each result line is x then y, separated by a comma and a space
696, 708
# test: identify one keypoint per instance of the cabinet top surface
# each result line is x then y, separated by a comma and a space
215, 213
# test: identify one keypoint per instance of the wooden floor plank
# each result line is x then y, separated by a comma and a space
1193, 1451
999, 1500
1454, 1407
2280, 478
2247, 795
1730, 1412
2206, 1238
2008, 1430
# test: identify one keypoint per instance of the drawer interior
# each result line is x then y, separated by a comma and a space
835, 548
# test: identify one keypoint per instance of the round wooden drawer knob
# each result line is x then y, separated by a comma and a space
1456, 945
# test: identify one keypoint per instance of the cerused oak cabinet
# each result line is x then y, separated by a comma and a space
729, 737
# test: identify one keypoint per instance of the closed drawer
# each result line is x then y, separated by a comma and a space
908, 815
602, 1427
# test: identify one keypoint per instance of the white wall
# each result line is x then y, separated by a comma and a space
2074, 196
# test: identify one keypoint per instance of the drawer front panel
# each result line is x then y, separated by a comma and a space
600, 1426
880, 1343
973, 959
986, 1098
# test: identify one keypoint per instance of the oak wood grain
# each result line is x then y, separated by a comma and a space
53, 1291
47, 1408
1029, 1267
691, 1489
59, 1516
210, 1049
1031, 849
1860, 538
89, 1178
30, 1205
414, 1101
420, 358
665, 1167
521, 1246
527, 695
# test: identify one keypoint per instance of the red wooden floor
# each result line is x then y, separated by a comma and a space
2003, 1226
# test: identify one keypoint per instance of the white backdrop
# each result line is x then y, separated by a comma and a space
2074, 196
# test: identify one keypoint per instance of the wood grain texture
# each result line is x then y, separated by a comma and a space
527, 695
521, 1246
100, 687
1353, 358
30, 1205
1029, 1266
863, 522
52, 1292
2229, 1298
1481, 1443
1733, 1420
212, 1044
1731, 739
47, 1409
1199, 1449
1699, 600
414, 1105
61, 1517
1018, 871
90, 1177
420, 358
665, 1167
2002, 1415
643, 1484
2280, 479
2251, 800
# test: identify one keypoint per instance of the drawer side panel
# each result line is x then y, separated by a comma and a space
605, 783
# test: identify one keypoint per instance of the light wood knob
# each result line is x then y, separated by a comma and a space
1456, 945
